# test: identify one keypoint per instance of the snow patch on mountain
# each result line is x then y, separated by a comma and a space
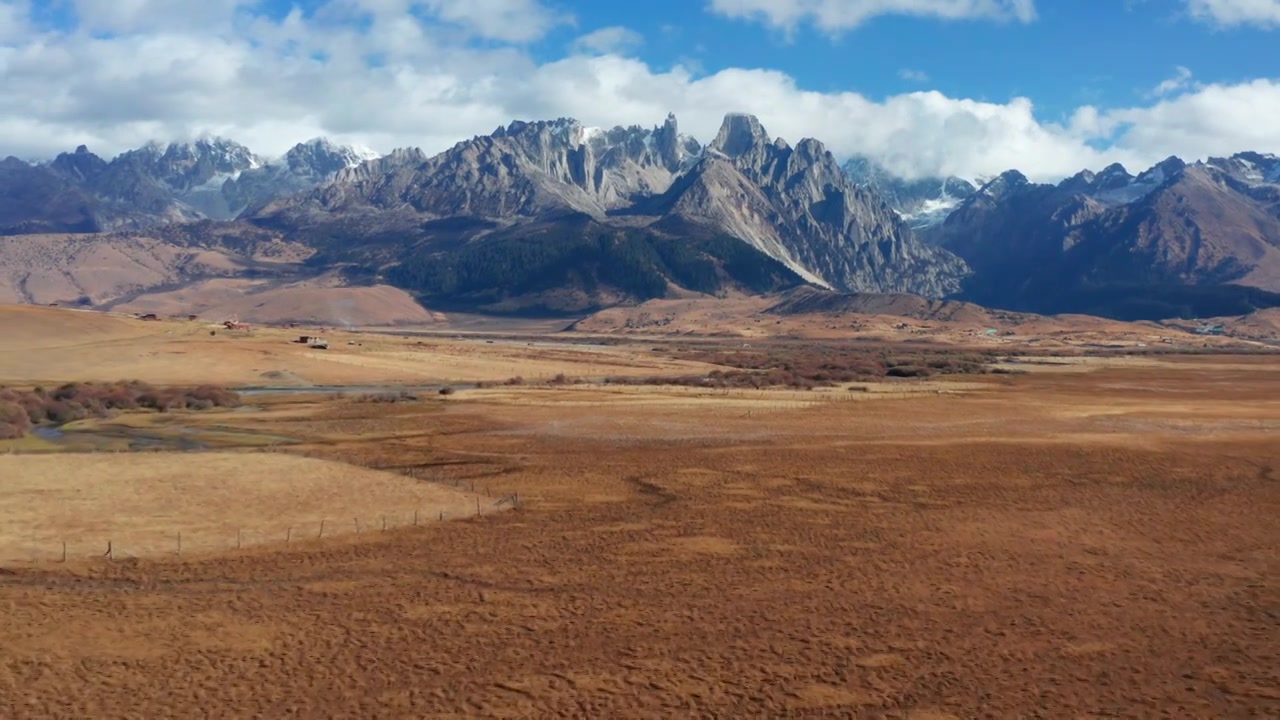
932, 211
922, 203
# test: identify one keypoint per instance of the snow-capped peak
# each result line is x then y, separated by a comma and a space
364, 153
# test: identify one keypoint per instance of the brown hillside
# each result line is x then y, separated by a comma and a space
312, 302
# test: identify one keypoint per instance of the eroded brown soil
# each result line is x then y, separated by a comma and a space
1059, 546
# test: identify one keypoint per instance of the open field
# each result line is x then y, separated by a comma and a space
911, 319
53, 345
141, 502
1091, 539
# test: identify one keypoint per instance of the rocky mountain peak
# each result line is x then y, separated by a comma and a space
739, 134
321, 157
1250, 167
1161, 172
80, 166
923, 202
797, 205
1007, 182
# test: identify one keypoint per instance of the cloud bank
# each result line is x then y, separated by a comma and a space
429, 73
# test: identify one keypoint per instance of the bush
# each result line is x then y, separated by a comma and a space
908, 371
14, 422
77, 401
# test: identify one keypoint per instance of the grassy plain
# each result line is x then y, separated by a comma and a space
143, 502
1093, 538
52, 345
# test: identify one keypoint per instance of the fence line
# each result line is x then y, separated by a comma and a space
144, 543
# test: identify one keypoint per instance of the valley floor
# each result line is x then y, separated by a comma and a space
1086, 540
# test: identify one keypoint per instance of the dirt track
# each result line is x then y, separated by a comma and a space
1098, 545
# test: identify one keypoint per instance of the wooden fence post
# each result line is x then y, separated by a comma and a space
415, 518
384, 523
179, 542
64, 551
357, 525
288, 536
237, 538
322, 528
110, 553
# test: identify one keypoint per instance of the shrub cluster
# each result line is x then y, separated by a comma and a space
387, 397
810, 367
20, 410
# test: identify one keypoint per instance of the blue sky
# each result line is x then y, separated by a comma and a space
1108, 52
969, 87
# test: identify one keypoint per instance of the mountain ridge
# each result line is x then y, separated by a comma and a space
625, 214
1195, 238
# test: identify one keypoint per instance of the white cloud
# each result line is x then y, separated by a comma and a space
511, 20
1237, 12
918, 76
609, 40
838, 15
278, 82
1213, 120
15, 18
127, 16
1181, 80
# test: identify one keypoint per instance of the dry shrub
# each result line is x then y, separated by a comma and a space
807, 366
387, 397
77, 401
14, 422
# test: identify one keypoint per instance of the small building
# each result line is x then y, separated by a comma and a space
319, 344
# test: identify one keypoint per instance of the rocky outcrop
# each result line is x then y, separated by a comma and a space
175, 182
923, 202
304, 167
796, 204
522, 170
791, 204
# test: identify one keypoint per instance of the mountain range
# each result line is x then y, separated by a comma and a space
1176, 240
557, 217
157, 184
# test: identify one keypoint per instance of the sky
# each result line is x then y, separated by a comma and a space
926, 87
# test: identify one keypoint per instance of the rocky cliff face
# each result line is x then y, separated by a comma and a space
796, 204
304, 167
923, 203
522, 170
791, 204
179, 181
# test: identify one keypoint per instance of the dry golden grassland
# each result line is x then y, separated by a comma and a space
157, 504
52, 345
1093, 543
